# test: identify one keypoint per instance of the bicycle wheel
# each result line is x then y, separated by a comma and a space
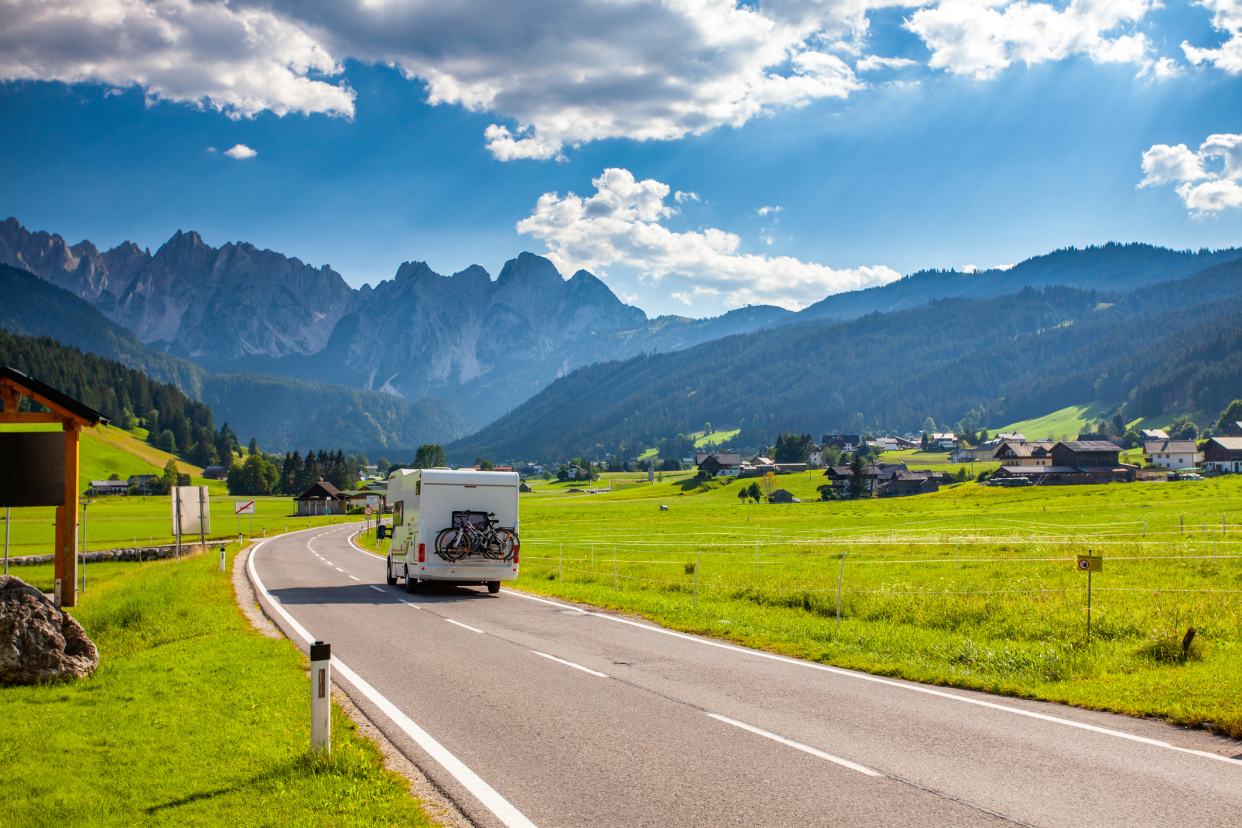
451, 545
497, 546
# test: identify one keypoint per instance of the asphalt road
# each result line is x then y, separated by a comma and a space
579, 718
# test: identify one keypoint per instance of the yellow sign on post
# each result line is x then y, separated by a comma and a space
1090, 563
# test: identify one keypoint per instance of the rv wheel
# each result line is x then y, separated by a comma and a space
411, 583
392, 579
493, 587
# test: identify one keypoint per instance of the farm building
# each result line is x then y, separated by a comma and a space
1223, 454
1172, 454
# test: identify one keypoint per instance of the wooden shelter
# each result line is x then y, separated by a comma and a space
71, 416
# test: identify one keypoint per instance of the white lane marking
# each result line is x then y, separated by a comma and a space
356, 578
467, 626
510, 816
338, 569
911, 687
831, 757
571, 664
377, 589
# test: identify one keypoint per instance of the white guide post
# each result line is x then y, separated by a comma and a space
321, 696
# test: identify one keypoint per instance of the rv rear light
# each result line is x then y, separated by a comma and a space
422, 552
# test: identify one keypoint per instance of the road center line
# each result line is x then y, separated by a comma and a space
791, 743
467, 626
510, 816
377, 589
901, 685
571, 664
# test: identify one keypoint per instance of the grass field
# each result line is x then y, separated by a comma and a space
972, 586
1059, 425
193, 718
113, 522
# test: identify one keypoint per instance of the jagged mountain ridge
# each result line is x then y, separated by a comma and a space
190, 298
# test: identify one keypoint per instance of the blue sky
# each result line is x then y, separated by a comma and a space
955, 158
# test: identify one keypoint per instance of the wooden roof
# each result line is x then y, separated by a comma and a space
12, 380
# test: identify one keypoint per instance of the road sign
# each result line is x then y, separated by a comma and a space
368, 511
243, 507
373, 500
1090, 563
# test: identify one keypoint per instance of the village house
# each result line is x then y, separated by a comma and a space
1223, 454
1172, 454
875, 475
815, 457
320, 499
987, 449
1074, 461
962, 455
719, 463
109, 487
904, 483
1035, 453
1155, 434
842, 442
944, 440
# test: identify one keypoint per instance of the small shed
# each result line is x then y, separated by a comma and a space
320, 499
524, 488
780, 496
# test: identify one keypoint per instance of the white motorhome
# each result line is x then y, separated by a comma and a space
423, 502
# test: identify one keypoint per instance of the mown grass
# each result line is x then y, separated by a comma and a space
193, 718
1009, 618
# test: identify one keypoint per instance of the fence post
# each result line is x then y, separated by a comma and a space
1088, 603
698, 558
840, 578
321, 696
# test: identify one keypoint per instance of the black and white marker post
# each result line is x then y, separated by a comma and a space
321, 696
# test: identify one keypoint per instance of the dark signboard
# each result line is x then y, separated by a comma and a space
32, 468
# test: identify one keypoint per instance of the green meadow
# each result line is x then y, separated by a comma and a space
193, 718
971, 587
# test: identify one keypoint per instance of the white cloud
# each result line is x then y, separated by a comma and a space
687, 297
763, 211
1208, 181
1162, 69
1227, 17
211, 149
240, 151
681, 197
620, 224
238, 60
871, 62
983, 37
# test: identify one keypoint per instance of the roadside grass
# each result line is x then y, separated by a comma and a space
193, 718
115, 521
1009, 618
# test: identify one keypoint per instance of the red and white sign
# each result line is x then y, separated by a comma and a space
368, 511
243, 507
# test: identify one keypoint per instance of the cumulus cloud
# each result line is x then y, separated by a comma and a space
763, 211
240, 151
238, 60
983, 37
681, 197
1208, 181
1226, 17
621, 224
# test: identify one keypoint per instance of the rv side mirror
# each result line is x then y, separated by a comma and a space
381, 532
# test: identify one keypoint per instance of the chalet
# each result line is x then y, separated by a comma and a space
1233, 429
905, 482
1172, 454
944, 440
1154, 434
320, 499
1223, 454
757, 467
815, 457
719, 463
215, 473
1035, 453
842, 442
1086, 454
109, 487
962, 455
875, 475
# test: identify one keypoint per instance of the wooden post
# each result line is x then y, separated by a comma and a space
67, 521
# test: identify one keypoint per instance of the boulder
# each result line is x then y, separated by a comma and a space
37, 641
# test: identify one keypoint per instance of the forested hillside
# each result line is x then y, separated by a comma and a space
283, 414
1109, 267
1003, 359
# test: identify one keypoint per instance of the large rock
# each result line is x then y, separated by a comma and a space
37, 641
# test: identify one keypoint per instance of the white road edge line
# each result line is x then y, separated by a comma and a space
846, 763
467, 626
903, 686
485, 793
377, 589
356, 578
571, 664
